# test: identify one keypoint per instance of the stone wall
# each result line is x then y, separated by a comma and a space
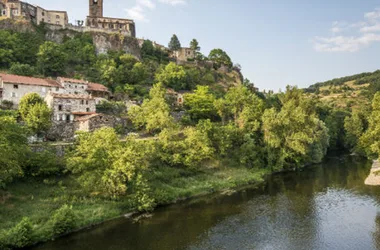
61, 132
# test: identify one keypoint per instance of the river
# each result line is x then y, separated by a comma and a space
326, 206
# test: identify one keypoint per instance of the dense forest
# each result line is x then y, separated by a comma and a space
229, 135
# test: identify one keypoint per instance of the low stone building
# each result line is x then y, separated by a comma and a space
68, 107
92, 122
14, 87
183, 54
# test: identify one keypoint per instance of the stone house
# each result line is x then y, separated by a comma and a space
14, 87
36, 14
183, 54
55, 17
74, 86
68, 107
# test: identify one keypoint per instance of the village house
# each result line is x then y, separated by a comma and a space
92, 122
68, 107
36, 14
183, 54
74, 86
14, 87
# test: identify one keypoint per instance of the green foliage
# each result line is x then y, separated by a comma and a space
154, 113
172, 76
188, 149
143, 196
106, 166
43, 162
174, 43
194, 45
35, 112
200, 104
19, 236
370, 141
355, 125
149, 52
292, 133
51, 59
63, 221
13, 149
219, 57
22, 69
112, 108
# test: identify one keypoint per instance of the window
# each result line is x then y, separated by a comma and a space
76, 86
87, 102
56, 89
15, 86
57, 22
43, 90
82, 102
15, 12
43, 20
57, 16
13, 94
43, 13
59, 107
87, 110
4, 13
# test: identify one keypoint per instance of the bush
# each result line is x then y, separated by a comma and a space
22, 69
18, 236
63, 221
44, 163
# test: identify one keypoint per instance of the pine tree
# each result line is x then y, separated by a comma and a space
174, 43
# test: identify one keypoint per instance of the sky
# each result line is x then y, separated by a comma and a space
277, 42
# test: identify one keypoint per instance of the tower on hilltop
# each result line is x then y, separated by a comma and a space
96, 8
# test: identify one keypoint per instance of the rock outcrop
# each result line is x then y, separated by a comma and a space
374, 177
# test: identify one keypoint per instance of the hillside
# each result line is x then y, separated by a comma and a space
347, 91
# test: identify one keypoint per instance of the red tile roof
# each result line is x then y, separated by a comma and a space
91, 86
97, 87
83, 113
25, 80
71, 96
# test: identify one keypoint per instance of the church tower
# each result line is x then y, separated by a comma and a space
96, 8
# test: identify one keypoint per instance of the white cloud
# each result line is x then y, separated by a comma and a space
352, 37
138, 12
146, 3
173, 2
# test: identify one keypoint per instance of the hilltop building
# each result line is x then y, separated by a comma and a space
96, 20
18, 9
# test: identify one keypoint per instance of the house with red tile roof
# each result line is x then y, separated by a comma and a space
14, 87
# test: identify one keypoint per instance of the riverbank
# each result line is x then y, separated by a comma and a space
40, 199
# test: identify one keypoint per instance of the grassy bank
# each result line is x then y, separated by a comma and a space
39, 199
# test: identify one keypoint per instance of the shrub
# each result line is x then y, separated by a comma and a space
22, 69
63, 221
18, 236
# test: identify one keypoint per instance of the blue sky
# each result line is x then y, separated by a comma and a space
276, 42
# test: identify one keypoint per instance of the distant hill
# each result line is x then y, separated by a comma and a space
347, 91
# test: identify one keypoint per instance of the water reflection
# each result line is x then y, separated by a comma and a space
323, 207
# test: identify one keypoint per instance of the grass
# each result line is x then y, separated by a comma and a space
38, 199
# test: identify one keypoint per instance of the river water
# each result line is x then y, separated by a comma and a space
322, 207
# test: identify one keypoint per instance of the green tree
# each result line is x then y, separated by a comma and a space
194, 45
51, 59
147, 49
105, 165
219, 57
174, 43
13, 149
172, 76
294, 135
370, 140
35, 112
200, 104
154, 113
354, 126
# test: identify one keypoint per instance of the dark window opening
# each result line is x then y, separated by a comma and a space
15, 86
60, 107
